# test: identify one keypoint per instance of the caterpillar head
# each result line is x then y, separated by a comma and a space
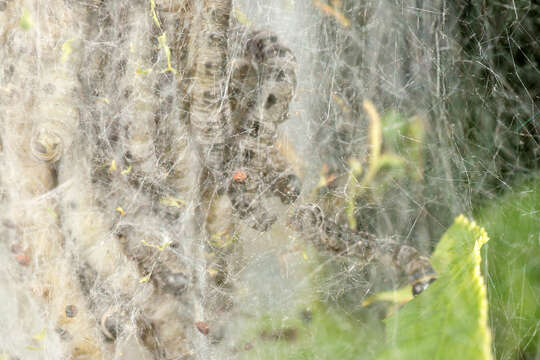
421, 285
288, 188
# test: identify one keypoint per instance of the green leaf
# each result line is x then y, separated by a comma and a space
449, 319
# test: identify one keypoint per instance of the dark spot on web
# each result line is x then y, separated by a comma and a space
128, 156
270, 101
63, 334
71, 311
208, 95
248, 155
280, 75
254, 130
121, 66
127, 92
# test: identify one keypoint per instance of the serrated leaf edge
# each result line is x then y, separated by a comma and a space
481, 238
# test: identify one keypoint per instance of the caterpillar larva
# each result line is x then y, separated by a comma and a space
364, 247
110, 280
134, 76
120, 162
172, 130
155, 233
210, 110
127, 189
37, 128
95, 188
262, 86
275, 66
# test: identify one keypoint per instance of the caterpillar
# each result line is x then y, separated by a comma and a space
42, 52
271, 66
263, 82
133, 98
115, 157
326, 235
209, 106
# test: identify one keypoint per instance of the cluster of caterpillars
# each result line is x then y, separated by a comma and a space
104, 187
262, 86
143, 114
237, 104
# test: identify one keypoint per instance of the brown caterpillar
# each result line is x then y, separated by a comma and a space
209, 110
262, 85
42, 52
272, 67
122, 277
361, 246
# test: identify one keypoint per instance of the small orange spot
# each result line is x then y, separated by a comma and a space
324, 169
202, 327
239, 176
330, 179
22, 259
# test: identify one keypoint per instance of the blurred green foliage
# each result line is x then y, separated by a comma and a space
389, 135
513, 268
319, 332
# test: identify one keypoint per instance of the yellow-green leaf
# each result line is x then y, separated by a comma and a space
449, 319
